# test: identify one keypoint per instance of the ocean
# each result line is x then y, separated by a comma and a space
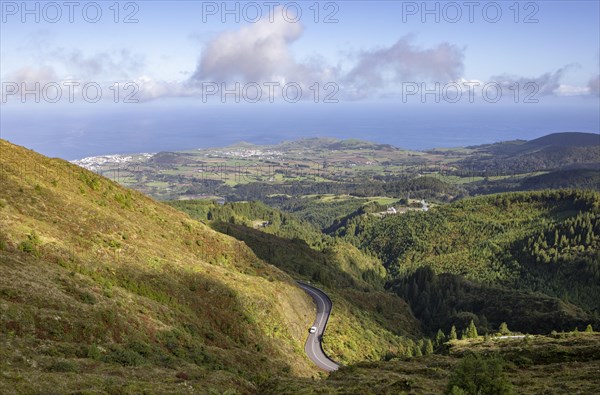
77, 130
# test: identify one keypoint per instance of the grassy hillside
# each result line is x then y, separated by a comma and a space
367, 322
104, 289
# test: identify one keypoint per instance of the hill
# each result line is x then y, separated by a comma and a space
557, 151
571, 139
367, 322
537, 242
103, 289
320, 143
580, 178
565, 139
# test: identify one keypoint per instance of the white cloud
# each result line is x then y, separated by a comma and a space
259, 52
151, 89
114, 64
546, 84
31, 75
571, 90
404, 62
77, 64
262, 53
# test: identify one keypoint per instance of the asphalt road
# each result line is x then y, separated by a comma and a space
313, 347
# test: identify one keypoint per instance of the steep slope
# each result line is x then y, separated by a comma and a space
366, 322
251, 214
104, 289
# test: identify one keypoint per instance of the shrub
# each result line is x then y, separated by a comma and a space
589, 328
479, 375
123, 356
124, 199
91, 181
140, 347
94, 352
87, 297
30, 245
182, 376
62, 365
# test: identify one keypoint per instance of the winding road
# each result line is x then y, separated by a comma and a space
313, 347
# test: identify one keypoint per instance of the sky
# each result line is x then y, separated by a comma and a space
138, 61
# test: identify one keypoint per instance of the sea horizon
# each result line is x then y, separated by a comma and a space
102, 130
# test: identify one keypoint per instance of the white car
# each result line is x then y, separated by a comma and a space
313, 329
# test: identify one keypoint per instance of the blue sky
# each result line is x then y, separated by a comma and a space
371, 53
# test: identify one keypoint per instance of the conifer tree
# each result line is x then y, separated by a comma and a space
452, 335
428, 347
472, 331
440, 338
418, 352
410, 347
